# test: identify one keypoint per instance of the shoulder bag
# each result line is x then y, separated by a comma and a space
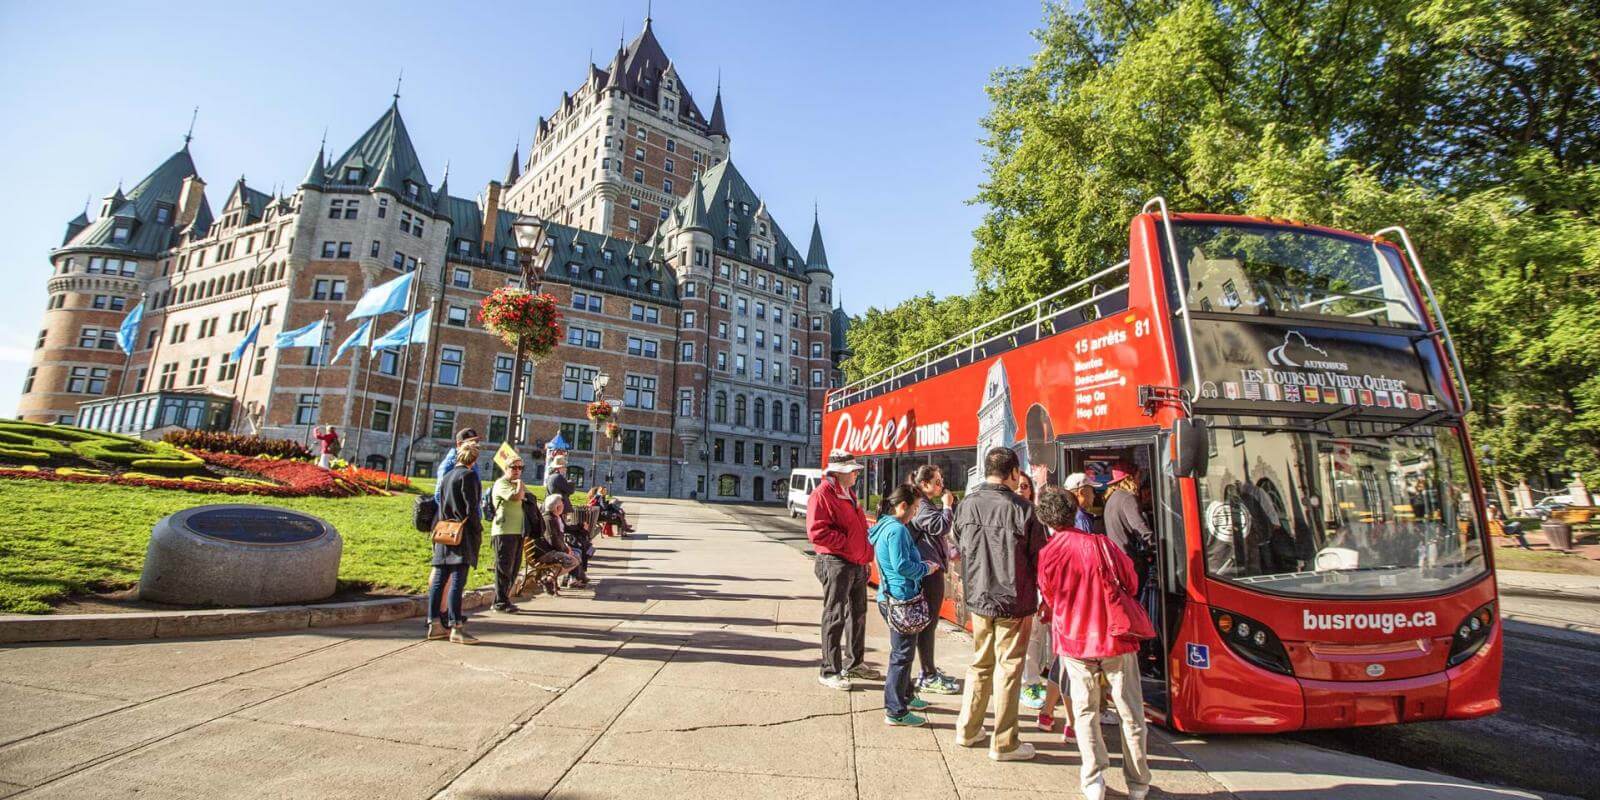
1125, 618
449, 532
908, 617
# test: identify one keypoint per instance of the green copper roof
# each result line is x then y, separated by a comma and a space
137, 210
577, 257
817, 257
383, 158
726, 196
840, 326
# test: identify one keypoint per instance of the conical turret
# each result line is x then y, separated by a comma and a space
317, 175
816, 256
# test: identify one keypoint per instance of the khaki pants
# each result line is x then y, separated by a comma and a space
1082, 679
998, 644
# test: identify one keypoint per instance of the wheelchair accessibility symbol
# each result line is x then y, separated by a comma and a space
1197, 655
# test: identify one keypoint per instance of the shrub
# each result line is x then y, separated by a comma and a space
219, 442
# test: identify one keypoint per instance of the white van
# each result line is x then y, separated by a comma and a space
802, 482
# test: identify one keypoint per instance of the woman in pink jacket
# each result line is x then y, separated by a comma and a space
1079, 574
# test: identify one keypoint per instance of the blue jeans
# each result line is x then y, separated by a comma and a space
456, 576
897, 684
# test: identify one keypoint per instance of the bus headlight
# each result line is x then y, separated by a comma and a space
1252, 641
1471, 634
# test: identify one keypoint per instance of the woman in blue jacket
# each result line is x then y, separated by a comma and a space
901, 570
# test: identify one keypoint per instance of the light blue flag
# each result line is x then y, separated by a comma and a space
310, 336
416, 325
361, 337
128, 334
244, 346
382, 299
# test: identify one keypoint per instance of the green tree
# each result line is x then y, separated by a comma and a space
1475, 123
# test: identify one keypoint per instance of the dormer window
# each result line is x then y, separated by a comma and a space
579, 248
633, 282
655, 287
412, 191
120, 233
606, 255
730, 243
549, 241
573, 268
352, 175
463, 247
163, 215
733, 227
597, 274
788, 261
744, 208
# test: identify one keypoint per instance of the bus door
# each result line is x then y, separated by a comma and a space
1161, 585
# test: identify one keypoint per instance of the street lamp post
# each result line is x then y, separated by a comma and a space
529, 232
601, 380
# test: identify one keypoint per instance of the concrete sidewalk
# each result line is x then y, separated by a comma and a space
689, 672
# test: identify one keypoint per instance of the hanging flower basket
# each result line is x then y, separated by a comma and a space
520, 315
599, 411
613, 430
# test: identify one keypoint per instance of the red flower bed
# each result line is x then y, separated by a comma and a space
292, 478
154, 483
375, 477
302, 478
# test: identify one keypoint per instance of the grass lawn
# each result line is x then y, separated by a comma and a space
62, 539
1544, 561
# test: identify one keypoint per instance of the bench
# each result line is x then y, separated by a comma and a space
1574, 515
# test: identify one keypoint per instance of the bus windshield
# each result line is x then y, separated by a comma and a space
1253, 268
1354, 514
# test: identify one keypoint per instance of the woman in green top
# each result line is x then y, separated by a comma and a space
506, 534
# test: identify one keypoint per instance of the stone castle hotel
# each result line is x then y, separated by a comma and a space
718, 335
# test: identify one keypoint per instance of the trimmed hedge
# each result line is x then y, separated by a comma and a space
218, 442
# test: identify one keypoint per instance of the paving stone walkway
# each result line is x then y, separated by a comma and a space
690, 671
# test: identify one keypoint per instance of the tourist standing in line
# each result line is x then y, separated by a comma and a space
1082, 491
505, 534
837, 528
556, 480
463, 436
1033, 683
999, 541
902, 569
463, 498
330, 445
930, 528
1081, 574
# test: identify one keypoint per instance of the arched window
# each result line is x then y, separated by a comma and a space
739, 407
761, 414
720, 410
777, 415
727, 485
794, 418
635, 480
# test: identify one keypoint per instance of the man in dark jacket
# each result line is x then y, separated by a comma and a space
557, 481
999, 541
837, 529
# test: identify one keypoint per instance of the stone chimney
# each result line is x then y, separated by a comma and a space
189, 200
491, 215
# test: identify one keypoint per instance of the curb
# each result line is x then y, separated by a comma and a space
220, 622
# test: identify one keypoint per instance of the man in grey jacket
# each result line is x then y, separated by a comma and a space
999, 541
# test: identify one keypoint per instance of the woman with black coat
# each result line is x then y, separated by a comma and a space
461, 493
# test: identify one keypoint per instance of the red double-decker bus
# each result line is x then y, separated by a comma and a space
1294, 400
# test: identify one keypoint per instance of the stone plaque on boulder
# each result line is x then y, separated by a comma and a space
240, 555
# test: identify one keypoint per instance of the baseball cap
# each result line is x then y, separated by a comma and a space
842, 461
1075, 481
466, 433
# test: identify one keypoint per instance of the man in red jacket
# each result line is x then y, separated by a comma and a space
1081, 575
837, 529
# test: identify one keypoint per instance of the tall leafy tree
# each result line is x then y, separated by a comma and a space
1476, 123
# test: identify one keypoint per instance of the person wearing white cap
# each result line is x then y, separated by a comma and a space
557, 481
837, 528
1082, 491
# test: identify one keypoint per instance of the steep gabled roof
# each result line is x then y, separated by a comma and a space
466, 222
515, 170
564, 255
386, 159
638, 68
253, 202
726, 196
816, 256
137, 210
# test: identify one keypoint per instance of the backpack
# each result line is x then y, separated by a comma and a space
424, 512
487, 505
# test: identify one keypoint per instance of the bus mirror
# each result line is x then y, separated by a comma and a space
1192, 448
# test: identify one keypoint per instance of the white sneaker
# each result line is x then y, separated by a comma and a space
1138, 792
1097, 790
973, 742
1024, 752
839, 682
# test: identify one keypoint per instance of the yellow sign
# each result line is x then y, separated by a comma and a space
504, 457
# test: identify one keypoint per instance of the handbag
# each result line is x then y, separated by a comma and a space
908, 617
449, 532
1125, 618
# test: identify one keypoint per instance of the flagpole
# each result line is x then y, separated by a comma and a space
127, 360
366, 380
426, 376
405, 366
248, 362
316, 376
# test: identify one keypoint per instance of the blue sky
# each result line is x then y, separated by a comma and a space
869, 108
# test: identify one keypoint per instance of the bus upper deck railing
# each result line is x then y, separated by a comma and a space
1051, 314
